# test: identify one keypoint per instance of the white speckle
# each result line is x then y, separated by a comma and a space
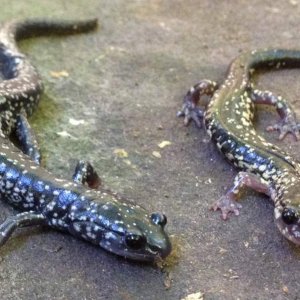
262, 168
109, 235
66, 134
75, 122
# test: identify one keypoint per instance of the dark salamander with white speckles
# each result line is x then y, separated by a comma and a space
80, 207
228, 121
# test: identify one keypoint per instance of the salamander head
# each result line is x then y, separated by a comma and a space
122, 228
287, 219
134, 234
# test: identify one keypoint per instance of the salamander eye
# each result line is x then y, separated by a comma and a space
159, 219
289, 216
135, 241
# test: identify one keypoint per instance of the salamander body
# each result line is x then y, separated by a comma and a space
228, 120
90, 213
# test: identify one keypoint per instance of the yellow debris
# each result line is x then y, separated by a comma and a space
195, 296
120, 153
285, 289
163, 144
59, 74
156, 154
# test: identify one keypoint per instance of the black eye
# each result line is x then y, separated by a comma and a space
159, 219
135, 241
289, 216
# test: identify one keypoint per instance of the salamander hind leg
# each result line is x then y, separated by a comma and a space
85, 173
190, 110
20, 220
228, 203
26, 139
287, 123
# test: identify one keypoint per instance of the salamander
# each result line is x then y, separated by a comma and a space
228, 120
81, 207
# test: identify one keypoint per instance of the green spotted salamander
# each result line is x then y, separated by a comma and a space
80, 207
228, 121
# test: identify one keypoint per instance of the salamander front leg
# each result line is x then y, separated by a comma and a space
20, 220
85, 173
190, 110
228, 203
27, 139
287, 123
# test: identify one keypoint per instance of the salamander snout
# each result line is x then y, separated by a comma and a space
160, 243
130, 231
288, 222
